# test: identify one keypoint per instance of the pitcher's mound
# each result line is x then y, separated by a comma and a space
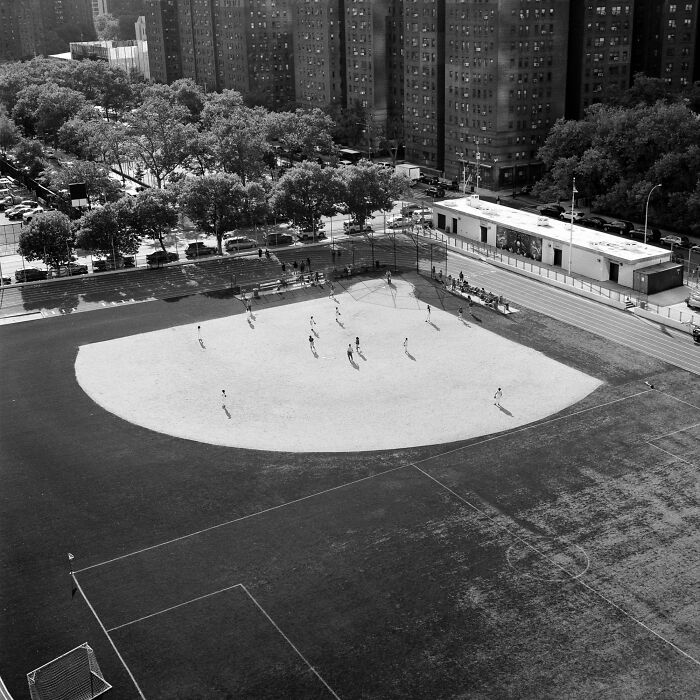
281, 396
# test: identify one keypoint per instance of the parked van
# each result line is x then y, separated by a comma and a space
234, 243
422, 215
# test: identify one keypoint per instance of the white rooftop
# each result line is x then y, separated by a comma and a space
612, 246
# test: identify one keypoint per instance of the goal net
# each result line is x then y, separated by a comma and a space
75, 675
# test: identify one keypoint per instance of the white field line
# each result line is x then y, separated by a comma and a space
670, 454
291, 644
173, 607
116, 651
673, 432
243, 517
573, 578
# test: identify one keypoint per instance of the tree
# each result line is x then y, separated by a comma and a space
159, 136
29, 156
239, 135
82, 135
49, 238
43, 109
306, 192
107, 27
216, 203
104, 85
368, 188
9, 133
151, 214
304, 133
107, 231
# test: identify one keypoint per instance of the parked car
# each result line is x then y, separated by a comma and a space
8, 201
68, 270
113, 263
653, 234
278, 239
409, 209
595, 222
621, 228
161, 257
30, 274
4, 281
198, 249
355, 227
679, 241
429, 179
234, 243
17, 212
424, 214
29, 215
576, 215
553, 210
435, 191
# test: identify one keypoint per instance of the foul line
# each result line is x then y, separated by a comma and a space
289, 641
243, 517
577, 579
116, 651
673, 432
174, 607
531, 426
670, 454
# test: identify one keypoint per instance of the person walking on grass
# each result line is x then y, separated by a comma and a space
427, 311
350, 353
497, 397
405, 346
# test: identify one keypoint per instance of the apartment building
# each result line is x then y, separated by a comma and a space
666, 41
600, 53
163, 34
318, 41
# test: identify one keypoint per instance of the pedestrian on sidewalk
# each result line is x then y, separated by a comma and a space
260, 253
308, 264
497, 397
427, 311
284, 267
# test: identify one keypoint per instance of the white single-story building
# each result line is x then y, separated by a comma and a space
599, 256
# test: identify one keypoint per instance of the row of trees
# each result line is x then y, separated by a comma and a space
217, 203
620, 151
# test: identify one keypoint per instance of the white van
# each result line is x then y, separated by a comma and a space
422, 216
234, 243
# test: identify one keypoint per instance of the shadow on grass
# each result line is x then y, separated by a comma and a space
504, 410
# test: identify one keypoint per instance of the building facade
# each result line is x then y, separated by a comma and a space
163, 34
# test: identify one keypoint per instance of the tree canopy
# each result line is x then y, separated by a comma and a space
617, 154
49, 238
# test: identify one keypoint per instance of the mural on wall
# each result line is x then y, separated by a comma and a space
520, 243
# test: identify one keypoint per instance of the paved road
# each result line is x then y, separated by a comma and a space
104, 290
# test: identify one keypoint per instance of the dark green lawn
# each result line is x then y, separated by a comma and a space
391, 587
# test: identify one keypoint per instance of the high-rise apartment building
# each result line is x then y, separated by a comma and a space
666, 41
164, 47
256, 46
318, 44
10, 44
600, 53
197, 22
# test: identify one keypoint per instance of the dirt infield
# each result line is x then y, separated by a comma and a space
282, 394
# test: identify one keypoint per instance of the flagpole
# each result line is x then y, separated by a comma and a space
571, 225
70, 563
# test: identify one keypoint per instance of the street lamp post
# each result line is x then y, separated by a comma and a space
646, 212
574, 191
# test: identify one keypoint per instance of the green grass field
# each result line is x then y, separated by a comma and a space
556, 560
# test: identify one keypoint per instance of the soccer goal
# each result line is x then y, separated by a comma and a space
75, 675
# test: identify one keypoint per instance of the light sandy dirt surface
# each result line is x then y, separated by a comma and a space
281, 396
